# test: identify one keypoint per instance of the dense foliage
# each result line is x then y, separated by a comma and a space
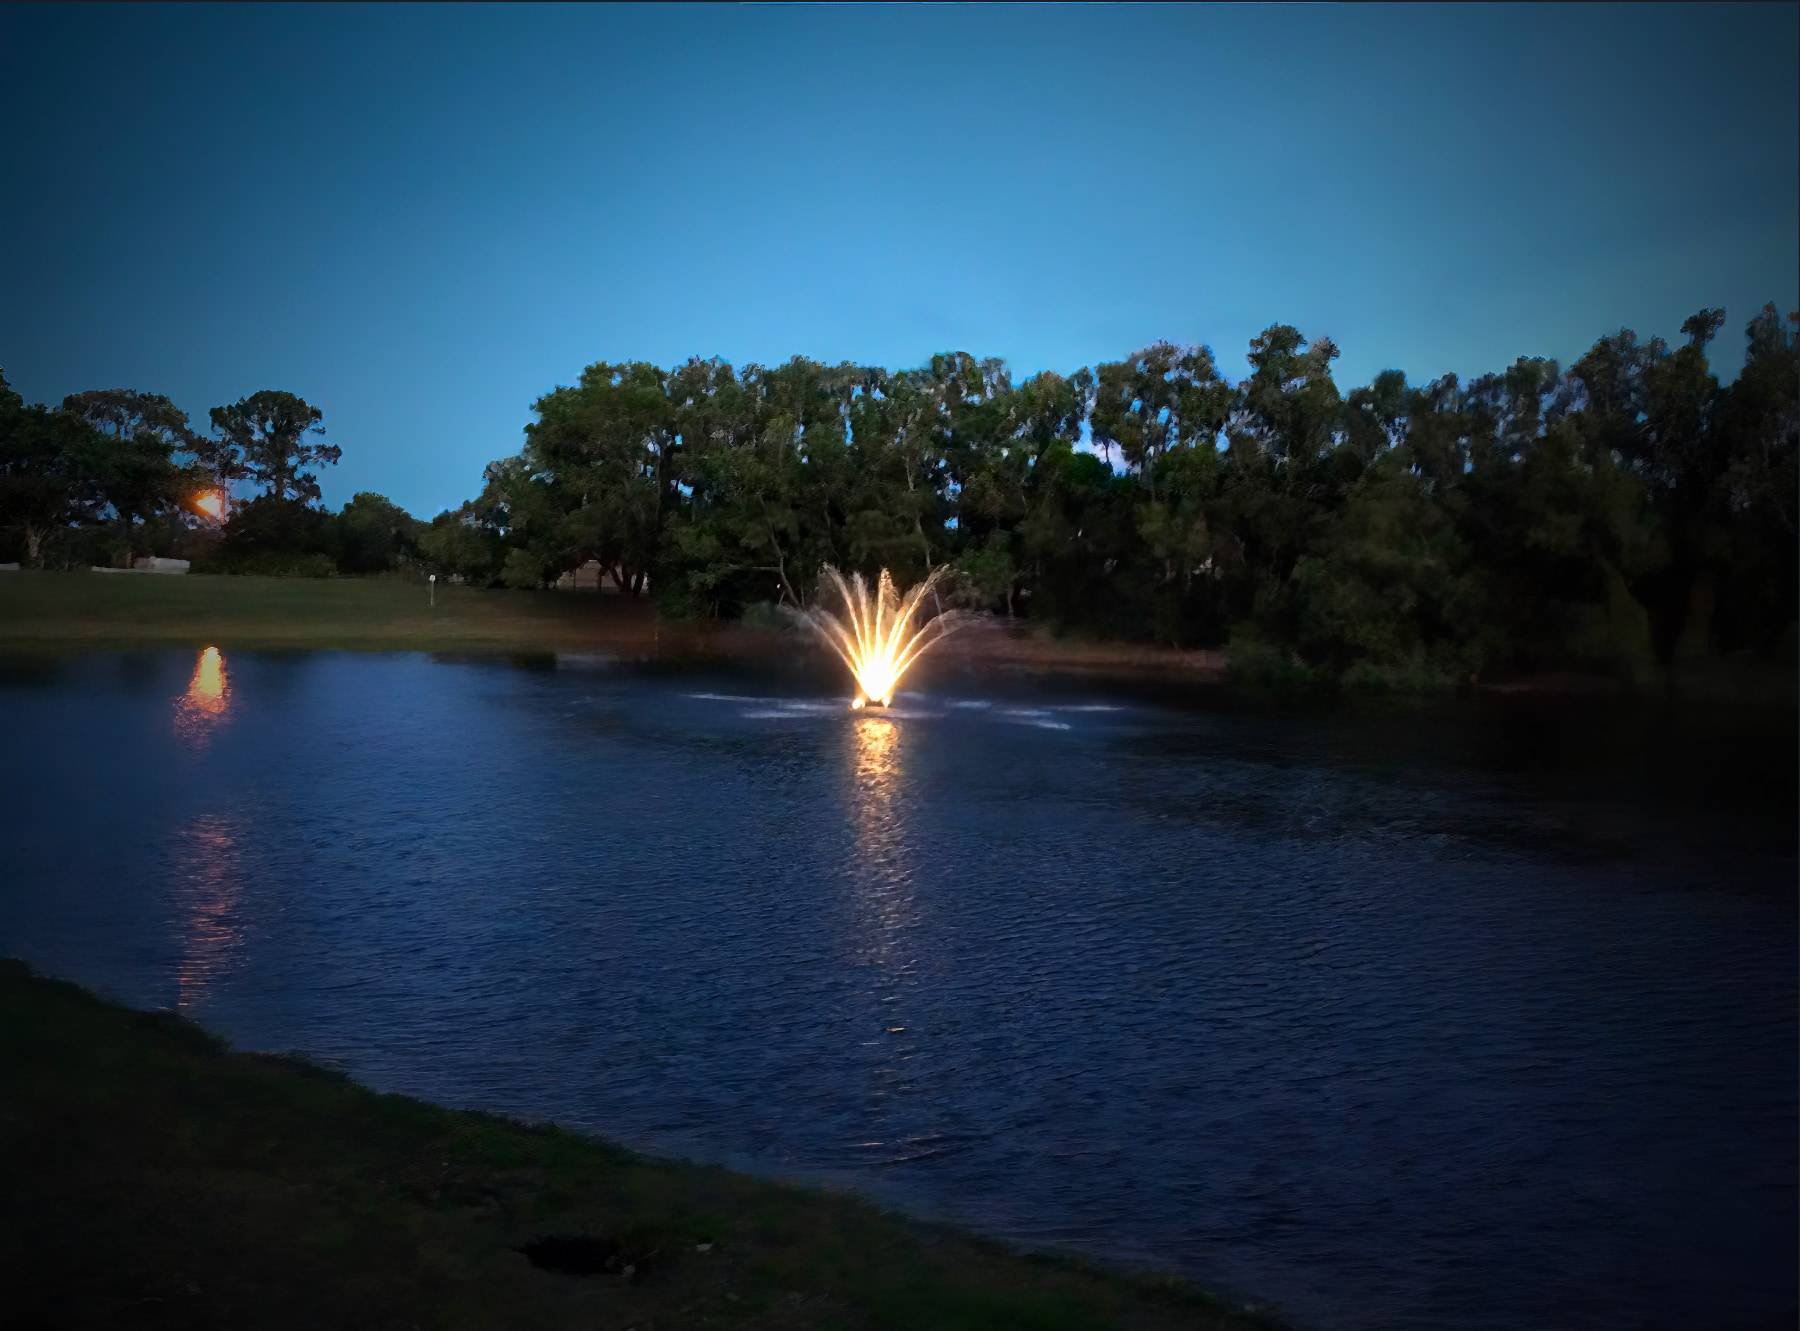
114, 474
1613, 516
1620, 514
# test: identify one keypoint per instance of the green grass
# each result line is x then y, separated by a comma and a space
155, 1179
62, 610
59, 612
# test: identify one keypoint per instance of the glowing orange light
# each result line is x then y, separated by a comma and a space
880, 642
211, 503
207, 698
207, 688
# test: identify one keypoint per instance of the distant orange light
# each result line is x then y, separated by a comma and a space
211, 503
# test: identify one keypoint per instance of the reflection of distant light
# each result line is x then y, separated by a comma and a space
886, 936
884, 861
207, 696
207, 688
877, 758
209, 888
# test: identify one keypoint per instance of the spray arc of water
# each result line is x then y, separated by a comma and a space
880, 634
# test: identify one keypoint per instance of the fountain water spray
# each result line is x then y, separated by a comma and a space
878, 638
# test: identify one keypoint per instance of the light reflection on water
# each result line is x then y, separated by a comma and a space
207, 880
880, 818
1405, 1025
206, 701
886, 912
208, 889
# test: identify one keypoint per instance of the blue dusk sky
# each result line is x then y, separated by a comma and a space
422, 218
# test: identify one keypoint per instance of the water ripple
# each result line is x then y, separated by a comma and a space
1388, 1021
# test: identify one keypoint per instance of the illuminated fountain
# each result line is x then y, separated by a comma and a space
881, 634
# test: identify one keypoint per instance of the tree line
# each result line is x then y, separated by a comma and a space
1618, 514
115, 474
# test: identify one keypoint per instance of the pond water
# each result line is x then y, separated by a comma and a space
1481, 1014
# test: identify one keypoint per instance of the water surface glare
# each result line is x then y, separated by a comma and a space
1481, 1015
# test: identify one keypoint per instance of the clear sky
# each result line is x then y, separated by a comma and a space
421, 218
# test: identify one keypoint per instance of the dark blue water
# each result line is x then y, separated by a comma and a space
1478, 1015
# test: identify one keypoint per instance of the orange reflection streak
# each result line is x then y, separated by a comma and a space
207, 699
884, 867
206, 690
877, 762
209, 893
886, 935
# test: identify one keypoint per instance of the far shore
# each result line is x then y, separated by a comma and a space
61, 612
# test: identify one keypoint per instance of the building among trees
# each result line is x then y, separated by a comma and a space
591, 577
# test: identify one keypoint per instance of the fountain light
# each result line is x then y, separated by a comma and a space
881, 633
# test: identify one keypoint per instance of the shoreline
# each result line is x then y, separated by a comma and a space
55, 613
163, 1179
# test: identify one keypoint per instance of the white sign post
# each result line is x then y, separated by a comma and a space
433, 593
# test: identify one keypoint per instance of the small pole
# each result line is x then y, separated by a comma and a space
433, 593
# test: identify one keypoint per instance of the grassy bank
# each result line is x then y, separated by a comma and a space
119, 610
157, 1180
63, 611
57, 611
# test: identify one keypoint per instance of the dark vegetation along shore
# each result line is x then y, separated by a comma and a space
156, 1180
59, 613
1629, 516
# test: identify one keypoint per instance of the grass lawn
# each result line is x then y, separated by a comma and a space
59, 611
155, 1179
103, 610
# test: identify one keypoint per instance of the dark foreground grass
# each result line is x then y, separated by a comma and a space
156, 1180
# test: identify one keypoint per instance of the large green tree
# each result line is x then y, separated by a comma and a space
136, 475
47, 461
271, 438
1627, 513
459, 544
372, 534
608, 450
